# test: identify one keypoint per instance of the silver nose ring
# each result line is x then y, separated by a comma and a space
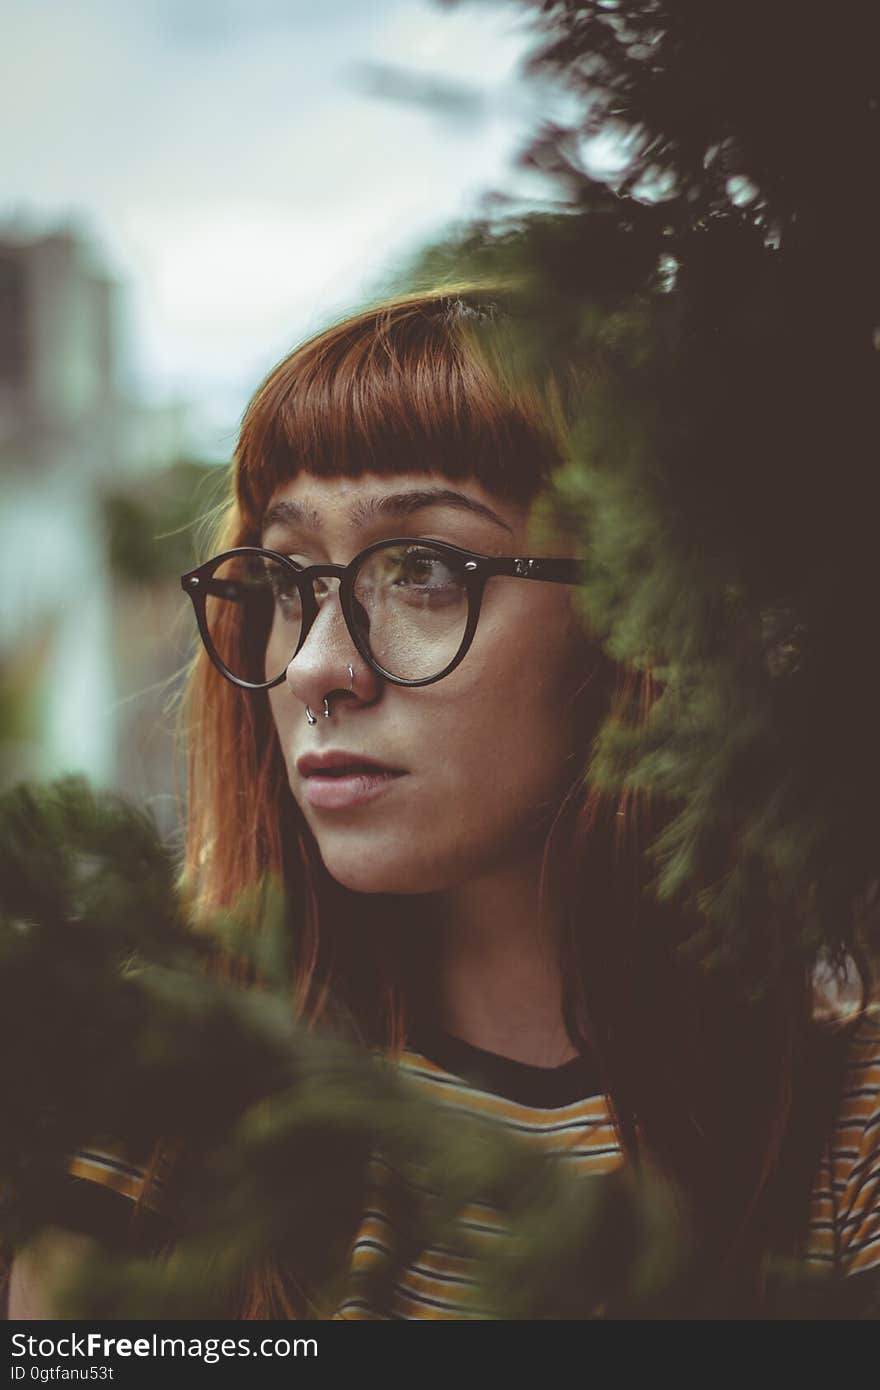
311, 718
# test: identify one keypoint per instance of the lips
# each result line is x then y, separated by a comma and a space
341, 781
339, 762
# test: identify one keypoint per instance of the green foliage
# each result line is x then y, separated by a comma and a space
150, 524
712, 310
712, 109
110, 1024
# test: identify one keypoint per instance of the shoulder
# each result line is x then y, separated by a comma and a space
110, 1193
852, 1158
107, 1164
857, 1125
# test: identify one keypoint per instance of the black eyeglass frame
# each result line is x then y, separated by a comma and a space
476, 569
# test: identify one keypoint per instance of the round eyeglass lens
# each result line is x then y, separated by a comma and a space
254, 616
411, 608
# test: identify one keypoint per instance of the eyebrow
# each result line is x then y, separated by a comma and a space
398, 504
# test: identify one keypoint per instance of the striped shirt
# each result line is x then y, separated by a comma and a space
560, 1112
844, 1218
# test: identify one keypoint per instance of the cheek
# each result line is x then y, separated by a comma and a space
527, 672
284, 710
517, 754
507, 740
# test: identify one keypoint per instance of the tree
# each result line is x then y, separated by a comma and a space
720, 294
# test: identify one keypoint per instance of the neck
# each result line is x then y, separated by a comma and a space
498, 978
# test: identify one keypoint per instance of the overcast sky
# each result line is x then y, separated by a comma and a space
234, 167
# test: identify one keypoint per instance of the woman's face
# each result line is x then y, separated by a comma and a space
485, 754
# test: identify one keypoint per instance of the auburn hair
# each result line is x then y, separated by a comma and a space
700, 1082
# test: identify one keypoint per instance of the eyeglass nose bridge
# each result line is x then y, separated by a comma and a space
310, 605
308, 576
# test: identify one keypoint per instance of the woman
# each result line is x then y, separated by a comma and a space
403, 735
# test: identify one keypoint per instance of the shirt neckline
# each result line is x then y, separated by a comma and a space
545, 1088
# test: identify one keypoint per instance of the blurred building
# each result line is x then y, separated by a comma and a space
69, 431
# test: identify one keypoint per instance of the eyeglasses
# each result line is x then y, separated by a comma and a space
410, 606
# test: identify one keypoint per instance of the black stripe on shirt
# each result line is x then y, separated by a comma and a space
543, 1088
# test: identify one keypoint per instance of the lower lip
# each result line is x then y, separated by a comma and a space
339, 793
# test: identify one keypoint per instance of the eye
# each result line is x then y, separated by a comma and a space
283, 587
425, 567
422, 567
413, 575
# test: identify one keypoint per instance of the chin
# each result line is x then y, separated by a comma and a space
366, 871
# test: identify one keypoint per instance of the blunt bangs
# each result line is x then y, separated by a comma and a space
420, 384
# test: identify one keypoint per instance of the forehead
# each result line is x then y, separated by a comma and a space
315, 503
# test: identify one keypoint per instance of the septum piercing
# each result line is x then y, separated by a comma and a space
311, 718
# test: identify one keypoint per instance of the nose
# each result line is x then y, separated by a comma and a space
320, 667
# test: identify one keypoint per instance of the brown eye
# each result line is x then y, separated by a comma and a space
424, 571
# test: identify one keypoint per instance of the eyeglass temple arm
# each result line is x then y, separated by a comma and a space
556, 571
231, 589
